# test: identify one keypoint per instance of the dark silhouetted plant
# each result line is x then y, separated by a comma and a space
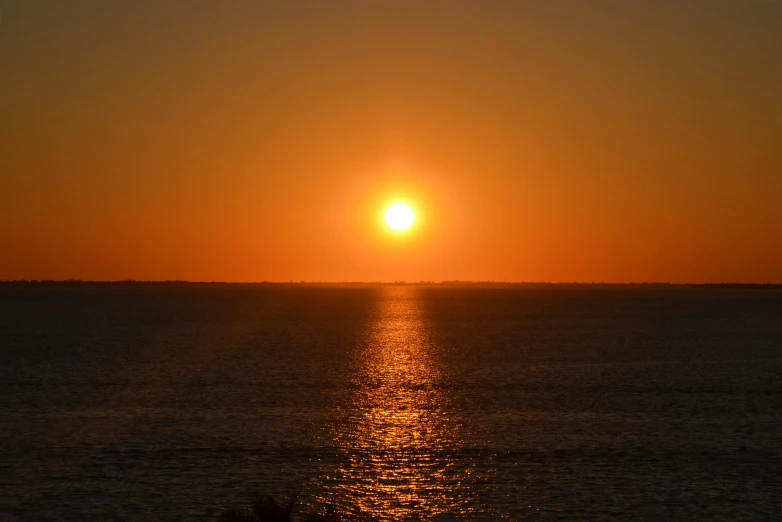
263, 509
238, 515
266, 509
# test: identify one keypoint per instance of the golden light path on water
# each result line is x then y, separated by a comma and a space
397, 438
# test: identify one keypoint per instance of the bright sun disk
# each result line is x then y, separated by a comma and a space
399, 216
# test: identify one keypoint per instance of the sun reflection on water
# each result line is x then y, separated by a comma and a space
396, 437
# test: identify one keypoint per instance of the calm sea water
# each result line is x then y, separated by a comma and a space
176, 403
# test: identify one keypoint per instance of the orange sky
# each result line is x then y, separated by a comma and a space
249, 141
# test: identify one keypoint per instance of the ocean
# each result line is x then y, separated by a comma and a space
177, 402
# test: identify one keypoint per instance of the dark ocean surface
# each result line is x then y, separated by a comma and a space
178, 402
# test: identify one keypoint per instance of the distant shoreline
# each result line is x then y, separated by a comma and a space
440, 284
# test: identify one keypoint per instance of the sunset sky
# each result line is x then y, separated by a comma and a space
550, 140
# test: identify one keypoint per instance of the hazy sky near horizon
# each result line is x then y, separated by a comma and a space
604, 140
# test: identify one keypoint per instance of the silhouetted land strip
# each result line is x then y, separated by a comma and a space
479, 284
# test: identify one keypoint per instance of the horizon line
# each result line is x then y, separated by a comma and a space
422, 282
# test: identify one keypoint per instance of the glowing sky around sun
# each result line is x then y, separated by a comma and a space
247, 141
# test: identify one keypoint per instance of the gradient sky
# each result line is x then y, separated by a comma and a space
604, 140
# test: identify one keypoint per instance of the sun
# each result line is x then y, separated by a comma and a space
399, 216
